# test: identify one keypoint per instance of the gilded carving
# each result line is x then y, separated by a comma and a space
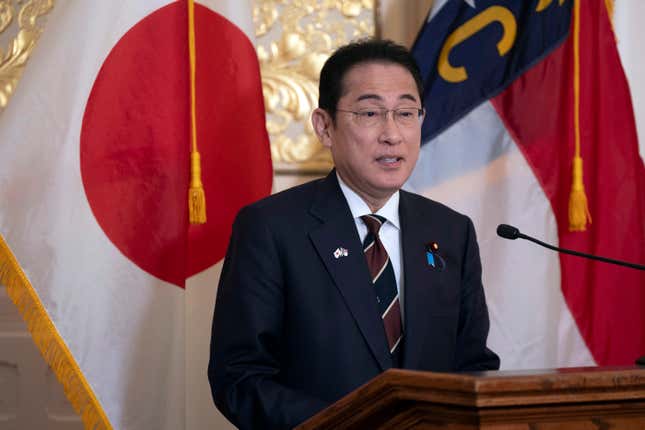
294, 38
14, 58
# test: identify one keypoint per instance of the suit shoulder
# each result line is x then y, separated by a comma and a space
287, 202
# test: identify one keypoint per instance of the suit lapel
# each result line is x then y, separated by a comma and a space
350, 272
420, 283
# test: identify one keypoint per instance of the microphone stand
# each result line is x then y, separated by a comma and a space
582, 254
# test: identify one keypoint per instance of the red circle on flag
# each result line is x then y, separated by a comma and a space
135, 141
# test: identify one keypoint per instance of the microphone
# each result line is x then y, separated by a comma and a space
509, 232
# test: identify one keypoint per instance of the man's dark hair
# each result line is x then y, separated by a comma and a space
363, 51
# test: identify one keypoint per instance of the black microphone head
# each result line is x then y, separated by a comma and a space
508, 231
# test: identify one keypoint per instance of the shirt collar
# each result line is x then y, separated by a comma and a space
358, 207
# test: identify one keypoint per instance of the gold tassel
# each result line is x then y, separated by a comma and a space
578, 205
196, 195
578, 208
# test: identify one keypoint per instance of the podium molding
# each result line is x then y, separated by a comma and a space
568, 398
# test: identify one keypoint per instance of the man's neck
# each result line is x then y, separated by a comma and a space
373, 204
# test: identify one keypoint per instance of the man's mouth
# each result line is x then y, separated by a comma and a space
389, 160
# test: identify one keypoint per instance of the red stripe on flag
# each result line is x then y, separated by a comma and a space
606, 301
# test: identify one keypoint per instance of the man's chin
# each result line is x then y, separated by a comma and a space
387, 188
391, 181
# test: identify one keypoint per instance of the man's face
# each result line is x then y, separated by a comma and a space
374, 161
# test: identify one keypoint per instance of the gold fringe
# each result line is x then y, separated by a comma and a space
49, 342
578, 205
609, 4
196, 194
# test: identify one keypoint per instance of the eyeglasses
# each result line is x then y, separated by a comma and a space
371, 117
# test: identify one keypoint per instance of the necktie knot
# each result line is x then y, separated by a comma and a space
373, 223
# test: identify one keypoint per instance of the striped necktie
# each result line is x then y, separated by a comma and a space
382, 273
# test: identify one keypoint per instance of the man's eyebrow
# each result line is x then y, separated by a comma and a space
408, 97
370, 96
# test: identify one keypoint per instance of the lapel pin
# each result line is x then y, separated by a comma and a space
340, 252
433, 258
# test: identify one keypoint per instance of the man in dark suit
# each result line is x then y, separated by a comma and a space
330, 283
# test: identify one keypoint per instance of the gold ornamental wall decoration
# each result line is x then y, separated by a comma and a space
294, 38
21, 26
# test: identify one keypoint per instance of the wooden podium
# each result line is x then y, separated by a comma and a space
572, 398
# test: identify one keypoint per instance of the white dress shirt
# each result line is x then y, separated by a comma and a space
390, 232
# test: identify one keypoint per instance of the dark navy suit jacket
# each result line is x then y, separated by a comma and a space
295, 328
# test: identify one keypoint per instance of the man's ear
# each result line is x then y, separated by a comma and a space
322, 123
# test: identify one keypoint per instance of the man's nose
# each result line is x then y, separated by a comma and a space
390, 131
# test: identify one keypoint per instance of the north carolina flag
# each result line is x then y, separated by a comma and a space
95, 243
499, 141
